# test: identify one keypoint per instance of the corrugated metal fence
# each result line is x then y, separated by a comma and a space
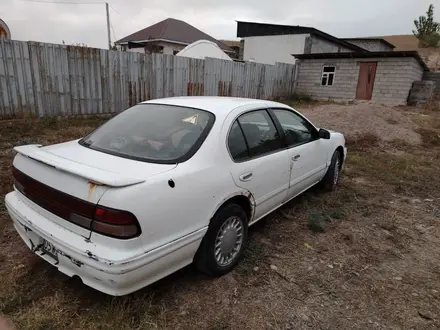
39, 79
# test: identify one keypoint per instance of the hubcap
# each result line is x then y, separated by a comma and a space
336, 174
228, 241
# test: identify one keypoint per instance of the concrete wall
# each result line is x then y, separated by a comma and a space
434, 76
394, 78
422, 92
241, 51
272, 49
315, 44
371, 45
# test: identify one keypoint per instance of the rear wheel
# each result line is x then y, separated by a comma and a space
224, 243
331, 178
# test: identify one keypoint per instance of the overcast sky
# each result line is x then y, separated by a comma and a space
85, 23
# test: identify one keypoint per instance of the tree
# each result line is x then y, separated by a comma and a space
427, 30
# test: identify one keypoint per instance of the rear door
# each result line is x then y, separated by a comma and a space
260, 164
307, 153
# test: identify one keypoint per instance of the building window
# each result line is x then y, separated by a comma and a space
328, 75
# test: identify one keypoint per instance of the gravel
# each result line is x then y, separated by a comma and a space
388, 123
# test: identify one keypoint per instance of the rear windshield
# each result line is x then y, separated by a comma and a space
154, 133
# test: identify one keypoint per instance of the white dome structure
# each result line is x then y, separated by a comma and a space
203, 48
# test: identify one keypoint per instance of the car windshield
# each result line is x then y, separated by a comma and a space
153, 133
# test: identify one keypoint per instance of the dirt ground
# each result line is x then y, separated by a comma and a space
376, 266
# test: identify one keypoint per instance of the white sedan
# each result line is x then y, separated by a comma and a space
164, 184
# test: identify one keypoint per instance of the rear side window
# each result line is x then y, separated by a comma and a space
237, 144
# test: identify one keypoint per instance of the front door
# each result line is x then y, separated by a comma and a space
306, 152
261, 165
367, 73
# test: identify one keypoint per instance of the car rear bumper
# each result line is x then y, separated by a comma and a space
114, 277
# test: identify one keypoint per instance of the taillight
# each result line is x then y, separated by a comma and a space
115, 223
103, 220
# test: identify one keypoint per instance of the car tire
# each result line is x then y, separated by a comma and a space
227, 232
331, 178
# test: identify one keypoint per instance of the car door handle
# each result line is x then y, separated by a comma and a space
246, 177
296, 157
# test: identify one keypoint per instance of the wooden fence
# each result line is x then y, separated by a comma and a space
40, 79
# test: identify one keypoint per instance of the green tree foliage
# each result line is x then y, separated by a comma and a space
427, 30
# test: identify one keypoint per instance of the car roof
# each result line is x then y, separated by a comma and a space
218, 105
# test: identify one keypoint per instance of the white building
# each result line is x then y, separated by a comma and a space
271, 43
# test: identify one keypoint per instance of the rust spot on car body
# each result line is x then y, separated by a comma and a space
92, 189
92, 256
251, 198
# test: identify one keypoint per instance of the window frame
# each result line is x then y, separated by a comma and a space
250, 156
314, 130
245, 142
327, 75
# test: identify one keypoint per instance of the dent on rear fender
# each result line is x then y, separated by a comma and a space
245, 193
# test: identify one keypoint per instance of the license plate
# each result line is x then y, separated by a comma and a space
49, 249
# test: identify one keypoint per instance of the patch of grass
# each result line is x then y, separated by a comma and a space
316, 223
434, 105
335, 215
430, 137
303, 100
407, 173
223, 323
363, 142
253, 256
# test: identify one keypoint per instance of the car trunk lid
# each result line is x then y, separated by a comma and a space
65, 182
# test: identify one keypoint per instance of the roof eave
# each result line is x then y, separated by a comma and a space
413, 54
389, 44
167, 40
302, 29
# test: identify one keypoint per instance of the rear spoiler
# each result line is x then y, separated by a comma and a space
93, 174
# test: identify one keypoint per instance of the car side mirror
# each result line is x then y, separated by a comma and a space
324, 134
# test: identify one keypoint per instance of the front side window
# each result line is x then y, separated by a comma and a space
260, 132
296, 129
154, 133
328, 75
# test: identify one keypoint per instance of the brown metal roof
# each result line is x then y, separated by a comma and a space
173, 30
363, 55
231, 43
403, 41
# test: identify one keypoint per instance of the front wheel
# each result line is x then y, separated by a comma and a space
225, 241
331, 178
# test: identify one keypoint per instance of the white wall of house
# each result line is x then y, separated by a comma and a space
168, 48
272, 49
